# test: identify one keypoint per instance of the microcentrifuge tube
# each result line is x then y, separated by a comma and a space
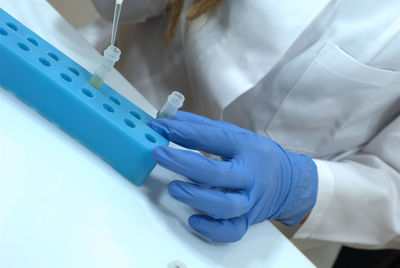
111, 56
172, 105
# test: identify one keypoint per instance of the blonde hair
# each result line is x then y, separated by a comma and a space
199, 8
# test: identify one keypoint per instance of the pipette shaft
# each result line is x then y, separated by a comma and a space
111, 54
117, 13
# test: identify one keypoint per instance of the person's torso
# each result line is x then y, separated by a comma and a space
319, 77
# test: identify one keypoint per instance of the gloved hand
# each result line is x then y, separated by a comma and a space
256, 181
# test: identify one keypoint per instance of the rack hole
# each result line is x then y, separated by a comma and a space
66, 77
135, 114
130, 123
87, 92
3, 32
33, 41
115, 100
53, 56
12, 26
73, 70
150, 138
108, 108
45, 62
23, 46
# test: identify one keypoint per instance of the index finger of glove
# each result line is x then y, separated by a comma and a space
198, 119
209, 139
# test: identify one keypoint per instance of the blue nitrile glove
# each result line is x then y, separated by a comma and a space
256, 181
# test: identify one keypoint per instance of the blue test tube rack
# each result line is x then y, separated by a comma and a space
102, 120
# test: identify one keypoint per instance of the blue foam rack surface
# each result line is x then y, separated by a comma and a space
57, 87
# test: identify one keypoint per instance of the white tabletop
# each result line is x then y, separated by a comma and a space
61, 206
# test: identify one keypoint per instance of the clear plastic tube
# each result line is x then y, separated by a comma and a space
117, 13
172, 105
111, 56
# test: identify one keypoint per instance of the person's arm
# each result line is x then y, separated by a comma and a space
359, 198
133, 11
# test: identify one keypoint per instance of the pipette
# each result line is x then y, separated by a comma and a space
117, 13
111, 54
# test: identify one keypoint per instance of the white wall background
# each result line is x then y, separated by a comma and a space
77, 12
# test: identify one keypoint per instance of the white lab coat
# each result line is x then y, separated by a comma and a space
319, 77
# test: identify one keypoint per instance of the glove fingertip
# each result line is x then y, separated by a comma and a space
204, 225
174, 189
153, 124
193, 221
197, 224
180, 115
159, 153
219, 231
158, 126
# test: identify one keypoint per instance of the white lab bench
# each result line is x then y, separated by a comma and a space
61, 206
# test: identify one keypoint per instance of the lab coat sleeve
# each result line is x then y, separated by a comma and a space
133, 11
358, 201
